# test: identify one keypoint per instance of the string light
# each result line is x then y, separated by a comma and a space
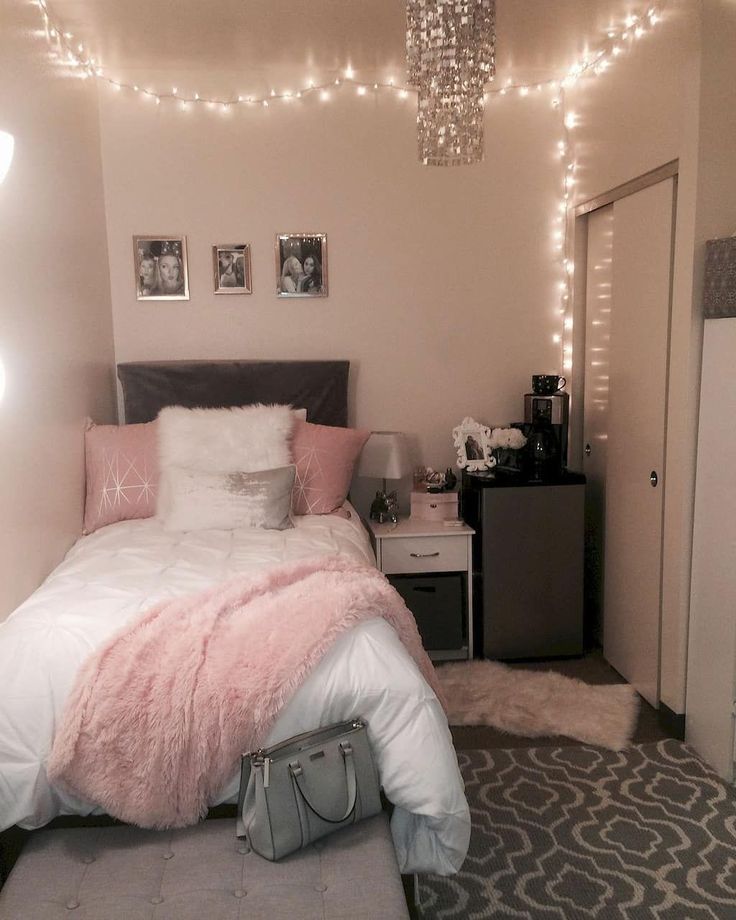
561, 235
593, 63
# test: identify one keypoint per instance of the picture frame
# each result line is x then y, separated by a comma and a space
301, 264
473, 443
160, 266
231, 268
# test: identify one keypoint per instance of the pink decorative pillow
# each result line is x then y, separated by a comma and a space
122, 473
324, 459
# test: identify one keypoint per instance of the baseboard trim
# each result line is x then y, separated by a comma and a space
671, 722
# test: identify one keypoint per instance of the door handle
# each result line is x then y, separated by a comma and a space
423, 555
653, 479
587, 450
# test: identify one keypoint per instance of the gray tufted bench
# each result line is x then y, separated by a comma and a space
125, 873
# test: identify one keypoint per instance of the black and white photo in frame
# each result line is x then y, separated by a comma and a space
301, 265
231, 265
473, 443
161, 267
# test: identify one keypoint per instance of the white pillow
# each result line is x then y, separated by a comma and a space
242, 439
229, 501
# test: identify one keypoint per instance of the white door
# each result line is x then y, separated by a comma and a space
635, 474
595, 407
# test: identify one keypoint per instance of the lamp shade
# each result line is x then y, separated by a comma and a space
385, 456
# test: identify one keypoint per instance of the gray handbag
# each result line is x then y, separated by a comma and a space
308, 786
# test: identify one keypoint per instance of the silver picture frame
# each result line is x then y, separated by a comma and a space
160, 267
231, 268
301, 265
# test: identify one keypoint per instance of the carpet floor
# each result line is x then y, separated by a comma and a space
567, 833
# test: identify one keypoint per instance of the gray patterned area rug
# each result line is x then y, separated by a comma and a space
579, 832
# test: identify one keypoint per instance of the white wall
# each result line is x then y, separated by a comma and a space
442, 281
55, 333
712, 646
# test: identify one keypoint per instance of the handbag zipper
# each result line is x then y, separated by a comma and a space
259, 757
260, 760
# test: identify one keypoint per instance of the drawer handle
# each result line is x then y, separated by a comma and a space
426, 589
423, 555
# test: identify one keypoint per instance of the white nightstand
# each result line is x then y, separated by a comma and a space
430, 565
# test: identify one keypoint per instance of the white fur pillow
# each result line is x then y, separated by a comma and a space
243, 439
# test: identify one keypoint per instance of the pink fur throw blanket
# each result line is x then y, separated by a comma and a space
159, 716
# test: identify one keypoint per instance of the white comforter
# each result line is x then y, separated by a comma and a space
111, 576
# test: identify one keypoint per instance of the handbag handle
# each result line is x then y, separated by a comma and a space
295, 769
244, 777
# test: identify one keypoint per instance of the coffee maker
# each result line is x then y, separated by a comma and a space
546, 412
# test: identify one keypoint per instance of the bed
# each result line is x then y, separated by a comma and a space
111, 576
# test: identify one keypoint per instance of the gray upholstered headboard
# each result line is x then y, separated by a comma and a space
320, 387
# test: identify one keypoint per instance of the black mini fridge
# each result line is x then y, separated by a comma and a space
527, 563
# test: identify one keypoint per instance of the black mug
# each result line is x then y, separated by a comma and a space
547, 384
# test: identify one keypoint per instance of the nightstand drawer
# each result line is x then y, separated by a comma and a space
404, 555
438, 603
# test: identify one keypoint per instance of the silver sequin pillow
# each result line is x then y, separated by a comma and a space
229, 501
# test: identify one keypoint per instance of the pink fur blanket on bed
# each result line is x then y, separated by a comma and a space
159, 716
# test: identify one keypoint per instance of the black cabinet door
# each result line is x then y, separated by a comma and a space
437, 601
532, 560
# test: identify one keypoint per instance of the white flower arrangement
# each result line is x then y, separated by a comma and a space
507, 438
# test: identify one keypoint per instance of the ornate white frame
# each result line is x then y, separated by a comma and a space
482, 433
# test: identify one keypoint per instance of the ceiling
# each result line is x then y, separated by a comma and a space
536, 39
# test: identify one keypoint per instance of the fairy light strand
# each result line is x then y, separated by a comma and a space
568, 121
594, 63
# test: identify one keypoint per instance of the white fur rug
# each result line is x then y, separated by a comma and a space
535, 703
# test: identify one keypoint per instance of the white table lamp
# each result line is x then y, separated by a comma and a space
385, 456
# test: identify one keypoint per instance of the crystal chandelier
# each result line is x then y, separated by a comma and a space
450, 52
